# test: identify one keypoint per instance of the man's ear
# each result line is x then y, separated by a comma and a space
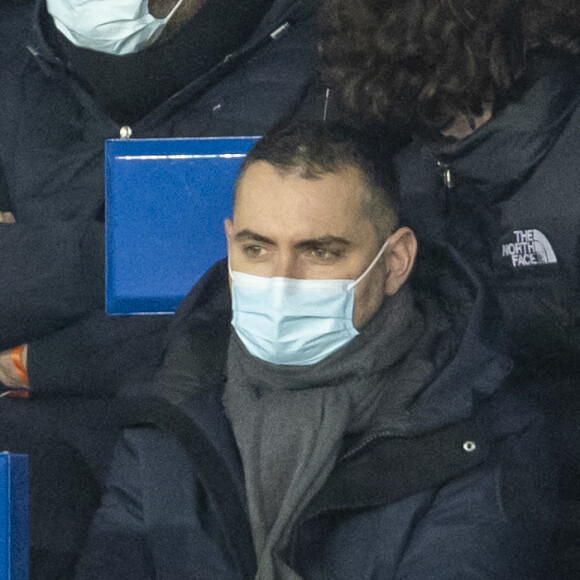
399, 259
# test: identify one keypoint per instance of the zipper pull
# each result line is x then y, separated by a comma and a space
446, 175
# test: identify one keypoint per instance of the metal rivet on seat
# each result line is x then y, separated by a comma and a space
469, 446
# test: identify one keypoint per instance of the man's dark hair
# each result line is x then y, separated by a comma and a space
430, 60
316, 149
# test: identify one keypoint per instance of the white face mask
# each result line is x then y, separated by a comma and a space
112, 26
286, 321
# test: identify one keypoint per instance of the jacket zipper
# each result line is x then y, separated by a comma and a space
446, 175
365, 443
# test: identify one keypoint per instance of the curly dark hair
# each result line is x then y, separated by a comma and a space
430, 60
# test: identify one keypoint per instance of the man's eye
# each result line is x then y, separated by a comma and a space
325, 254
253, 251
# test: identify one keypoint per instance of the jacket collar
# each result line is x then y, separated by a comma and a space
415, 464
278, 19
282, 11
506, 149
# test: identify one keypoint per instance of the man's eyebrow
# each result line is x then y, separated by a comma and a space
324, 241
249, 235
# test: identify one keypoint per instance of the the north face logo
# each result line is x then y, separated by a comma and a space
528, 248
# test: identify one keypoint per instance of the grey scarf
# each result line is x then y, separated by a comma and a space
290, 421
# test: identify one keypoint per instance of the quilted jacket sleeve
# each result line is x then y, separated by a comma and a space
51, 274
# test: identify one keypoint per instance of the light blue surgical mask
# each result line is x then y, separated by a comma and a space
112, 26
286, 321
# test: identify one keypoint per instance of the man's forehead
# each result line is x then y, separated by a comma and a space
286, 208
263, 179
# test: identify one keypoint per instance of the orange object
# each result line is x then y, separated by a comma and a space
16, 356
17, 393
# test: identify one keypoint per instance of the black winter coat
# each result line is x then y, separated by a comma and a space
469, 499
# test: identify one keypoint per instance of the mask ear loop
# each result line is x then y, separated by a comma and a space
371, 265
164, 21
172, 12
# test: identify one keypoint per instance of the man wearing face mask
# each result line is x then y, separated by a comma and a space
324, 410
76, 73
